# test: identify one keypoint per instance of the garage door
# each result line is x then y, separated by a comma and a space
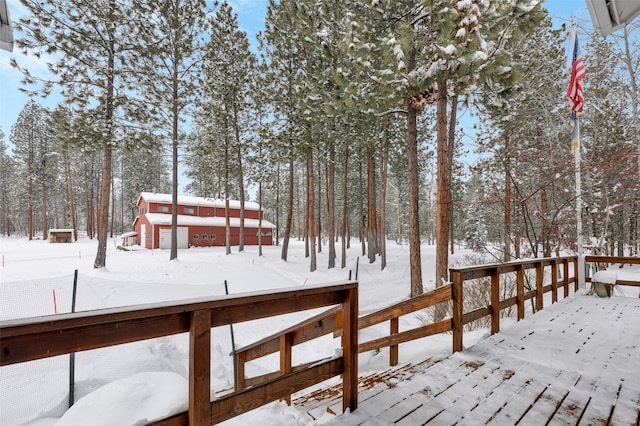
183, 237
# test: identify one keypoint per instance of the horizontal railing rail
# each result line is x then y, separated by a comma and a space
615, 260
29, 339
329, 321
494, 272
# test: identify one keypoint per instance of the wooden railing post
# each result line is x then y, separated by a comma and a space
576, 272
520, 290
350, 350
458, 310
241, 360
554, 280
200, 368
565, 279
539, 282
393, 349
286, 342
495, 301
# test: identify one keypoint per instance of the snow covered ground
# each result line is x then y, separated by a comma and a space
36, 272
133, 383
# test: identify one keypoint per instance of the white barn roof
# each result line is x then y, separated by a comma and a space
187, 200
186, 220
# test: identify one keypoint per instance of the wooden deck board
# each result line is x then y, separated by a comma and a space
553, 370
493, 405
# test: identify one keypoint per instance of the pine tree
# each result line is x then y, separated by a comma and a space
170, 58
8, 185
31, 139
228, 73
282, 50
87, 42
475, 225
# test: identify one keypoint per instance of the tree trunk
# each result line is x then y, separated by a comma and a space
307, 213
362, 220
319, 198
507, 200
45, 234
382, 233
103, 213
240, 178
174, 169
72, 202
372, 237
330, 189
87, 204
451, 150
113, 205
343, 262
121, 201
277, 236
287, 225
227, 218
443, 196
300, 209
310, 188
30, 197
415, 262
260, 218
546, 229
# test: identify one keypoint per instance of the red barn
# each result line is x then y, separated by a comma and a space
201, 222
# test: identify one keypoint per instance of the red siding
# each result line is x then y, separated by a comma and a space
153, 232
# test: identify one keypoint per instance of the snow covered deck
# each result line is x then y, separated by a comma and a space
575, 362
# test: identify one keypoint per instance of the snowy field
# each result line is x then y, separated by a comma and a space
133, 383
33, 272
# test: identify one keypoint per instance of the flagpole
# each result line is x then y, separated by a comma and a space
576, 140
581, 263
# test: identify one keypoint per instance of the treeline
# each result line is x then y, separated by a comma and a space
347, 119
48, 182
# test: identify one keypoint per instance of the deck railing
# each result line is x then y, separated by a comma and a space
29, 339
613, 260
494, 272
35, 338
329, 321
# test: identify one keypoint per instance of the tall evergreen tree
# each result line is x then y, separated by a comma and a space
87, 41
8, 185
31, 138
170, 58
229, 71
282, 50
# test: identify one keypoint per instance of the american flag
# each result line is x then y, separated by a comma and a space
574, 93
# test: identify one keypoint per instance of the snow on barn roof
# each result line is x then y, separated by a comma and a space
185, 220
187, 200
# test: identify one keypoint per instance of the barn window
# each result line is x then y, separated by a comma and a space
142, 210
189, 210
212, 237
163, 209
204, 236
196, 236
